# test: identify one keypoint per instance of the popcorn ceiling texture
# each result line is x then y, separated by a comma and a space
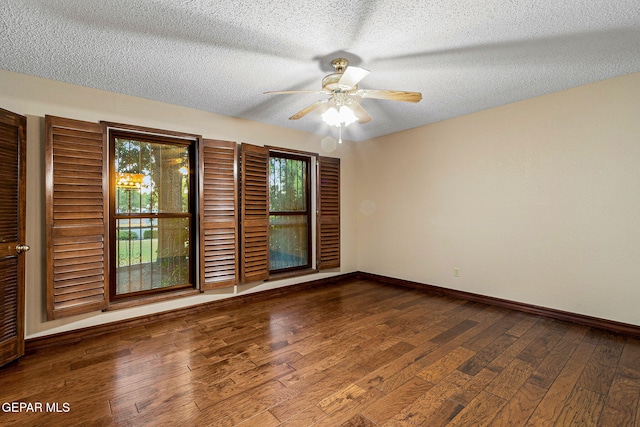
220, 56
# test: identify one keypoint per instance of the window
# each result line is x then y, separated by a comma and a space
288, 221
151, 218
145, 195
289, 212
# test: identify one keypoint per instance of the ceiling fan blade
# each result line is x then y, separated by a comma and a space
359, 112
307, 110
351, 76
287, 92
393, 95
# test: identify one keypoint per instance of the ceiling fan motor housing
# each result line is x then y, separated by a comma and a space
330, 82
339, 64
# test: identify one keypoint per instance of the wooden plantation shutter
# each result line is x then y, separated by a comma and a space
328, 216
254, 193
219, 218
76, 179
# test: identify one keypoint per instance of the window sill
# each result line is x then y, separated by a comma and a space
290, 274
117, 305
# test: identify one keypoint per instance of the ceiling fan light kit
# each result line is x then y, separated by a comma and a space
343, 108
343, 117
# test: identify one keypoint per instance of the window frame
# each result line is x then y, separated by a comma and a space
175, 139
308, 212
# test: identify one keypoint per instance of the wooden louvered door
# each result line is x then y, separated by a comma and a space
328, 217
13, 145
76, 179
254, 168
219, 218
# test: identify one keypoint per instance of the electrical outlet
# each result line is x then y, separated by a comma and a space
456, 272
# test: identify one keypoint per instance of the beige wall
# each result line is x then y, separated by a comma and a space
35, 97
537, 201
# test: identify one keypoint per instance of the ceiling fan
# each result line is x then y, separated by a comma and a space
343, 105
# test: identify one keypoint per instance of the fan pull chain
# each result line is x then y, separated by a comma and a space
340, 134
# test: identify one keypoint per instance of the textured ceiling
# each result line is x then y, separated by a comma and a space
220, 56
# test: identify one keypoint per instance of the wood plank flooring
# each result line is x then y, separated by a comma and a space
357, 353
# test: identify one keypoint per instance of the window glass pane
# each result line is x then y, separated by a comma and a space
151, 177
287, 185
151, 253
152, 215
288, 241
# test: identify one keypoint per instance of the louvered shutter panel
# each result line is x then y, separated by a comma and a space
328, 217
13, 146
77, 179
254, 166
219, 218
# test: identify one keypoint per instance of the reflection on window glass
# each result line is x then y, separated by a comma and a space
288, 241
152, 220
289, 217
287, 185
152, 254
151, 177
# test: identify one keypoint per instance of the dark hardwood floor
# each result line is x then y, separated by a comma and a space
357, 353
